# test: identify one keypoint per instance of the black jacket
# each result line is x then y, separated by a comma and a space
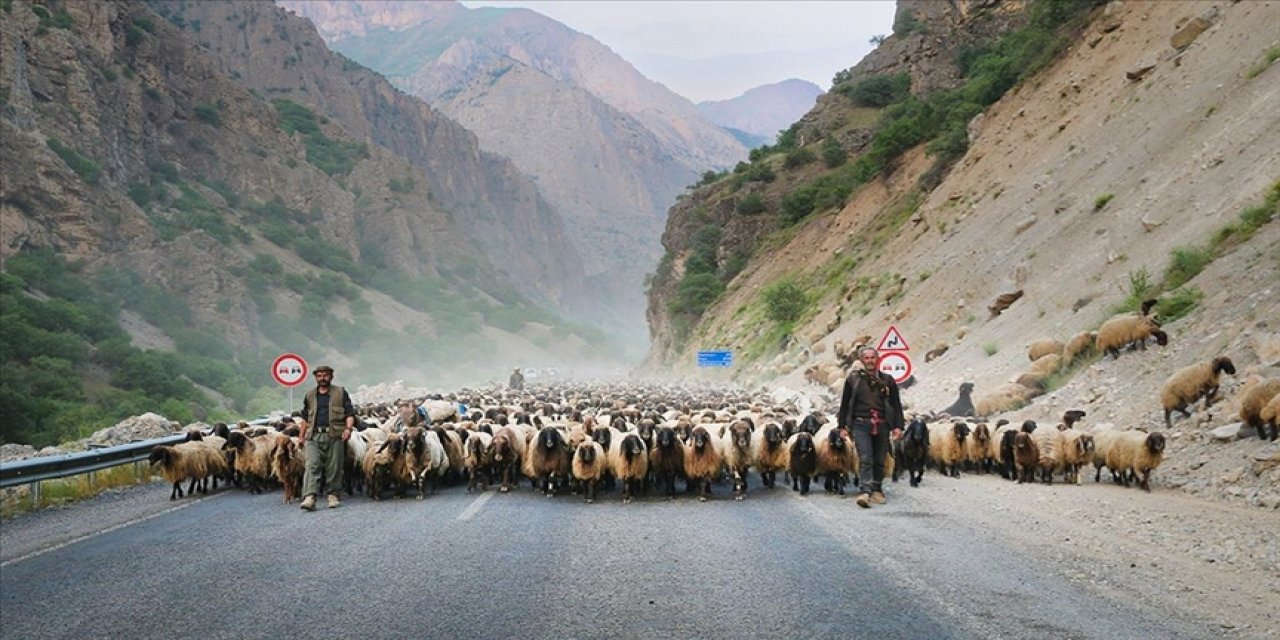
893, 404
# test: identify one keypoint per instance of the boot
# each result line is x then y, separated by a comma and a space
863, 500
877, 497
309, 503
334, 502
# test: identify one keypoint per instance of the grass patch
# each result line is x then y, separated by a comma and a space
1268, 59
990, 349
85, 167
1102, 200
75, 488
1185, 263
1179, 303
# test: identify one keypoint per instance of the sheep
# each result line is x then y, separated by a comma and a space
769, 453
1002, 302
1136, 454
219, 461
802, 461
507, 450
963, 406
1044, 347
913, 450
182, 461
588, 466
252, 457
1254, 400
427, 457
545, 460
1006, 397
629, 462
476, 460
1049, 444
1103, 438
1269, 415
379, 464
1188, 384
936, 352
666, 459
1077, 450
1001, 450
947, 446
735, 449
288, 464
1079, 345
1070, 418
977, 448
1127, 328
451, 442
701, 460
1026, 457
837, 457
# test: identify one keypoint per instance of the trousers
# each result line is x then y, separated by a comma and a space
324, 458
871, 452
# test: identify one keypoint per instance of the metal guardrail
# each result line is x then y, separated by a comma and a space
20, 472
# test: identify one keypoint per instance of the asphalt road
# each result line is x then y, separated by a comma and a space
521, 565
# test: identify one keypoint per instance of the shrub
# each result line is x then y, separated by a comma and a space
798, 157
833, 155
1185, 263
906, 23
134, 36
1178, 303
209, 114
785, 301
86, 168
696, 292
401, 186
750, 204
990, 348
1268, 59
1102, 200
878, 91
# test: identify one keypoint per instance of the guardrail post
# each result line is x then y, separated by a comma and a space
35, 494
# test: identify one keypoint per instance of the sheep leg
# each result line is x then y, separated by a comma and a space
591, 491
804, 484
176, 492
1145, 482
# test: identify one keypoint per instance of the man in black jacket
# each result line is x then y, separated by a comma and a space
870, 408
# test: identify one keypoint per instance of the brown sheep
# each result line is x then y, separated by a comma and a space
1128, 329
1026, 457
186, 460
545, 460
769, 453
1078, 346
1044, 347
701, 460
1049, 444
588, 467
380, 462
1134, 455
1254, 400
507, 451
837, 457
1270, 414
288, 464
1006, 397
736, 453
1191, 383
252, 457
666, 459
629, 462
477, 462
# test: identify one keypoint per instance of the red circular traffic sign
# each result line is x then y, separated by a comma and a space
289, 369
896, 364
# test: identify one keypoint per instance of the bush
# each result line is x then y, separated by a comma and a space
750, 204
1102, 200
1185, 263
696, 292
208, 114
401, 186
990, 348
798, 157
878, 91
86, 168
785, 301
833, 155
1178, 304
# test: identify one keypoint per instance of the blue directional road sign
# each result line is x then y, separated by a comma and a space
715, 358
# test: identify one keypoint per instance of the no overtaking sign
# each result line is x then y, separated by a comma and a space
289, 369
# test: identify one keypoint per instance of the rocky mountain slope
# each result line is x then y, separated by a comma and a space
764, 110
234, 209
608, 147
1140, 160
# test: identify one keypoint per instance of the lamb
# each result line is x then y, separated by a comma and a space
701, 460
769, 453
963, 406
1127, 328
288, 464
1026, 457
666, 459
186, 460
588, 466
476, 460
1049, 444
837, 457
629, 462
1269, 415
507, 450
545, 460
947, 446
379, 464
735, 449
913, 450
1254, 400
802, 461
1188, 384
1079, 345
1136, 454
1043, 347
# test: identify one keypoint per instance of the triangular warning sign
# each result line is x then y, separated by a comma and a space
893, 341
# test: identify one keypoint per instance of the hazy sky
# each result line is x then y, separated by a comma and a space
711, 50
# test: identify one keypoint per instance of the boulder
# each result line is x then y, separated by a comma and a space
1227, 433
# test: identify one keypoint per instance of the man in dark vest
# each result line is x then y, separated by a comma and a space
516, 381
327, 421
870, 408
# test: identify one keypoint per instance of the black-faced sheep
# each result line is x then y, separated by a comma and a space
1136, 454
701, 460
769, 453
1128, 329
837, 458
1191, 383
947, 446
588, 467
802, 461
183, 461
1254, 400
629, 462
912, 451
380, 463
963, 406
544, 460
1026, 457
977, 448
666, 459
507, 451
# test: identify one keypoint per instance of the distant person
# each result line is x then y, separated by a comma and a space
327, 421
406, 416
870, 408
516, 381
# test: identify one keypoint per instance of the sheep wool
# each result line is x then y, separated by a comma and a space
1125, 329
1254, 399
1044, 347
1136, 454
947, 446
1079, 345
1049, 443
1007, 397
1191, 383
769, 453
1270, 414
588, 467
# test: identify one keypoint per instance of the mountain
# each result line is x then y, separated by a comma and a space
191, 188
764, 110
608, 147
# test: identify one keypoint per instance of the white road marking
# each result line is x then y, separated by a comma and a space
474, 508
95, 534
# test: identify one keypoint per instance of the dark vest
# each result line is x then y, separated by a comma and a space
337, 414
